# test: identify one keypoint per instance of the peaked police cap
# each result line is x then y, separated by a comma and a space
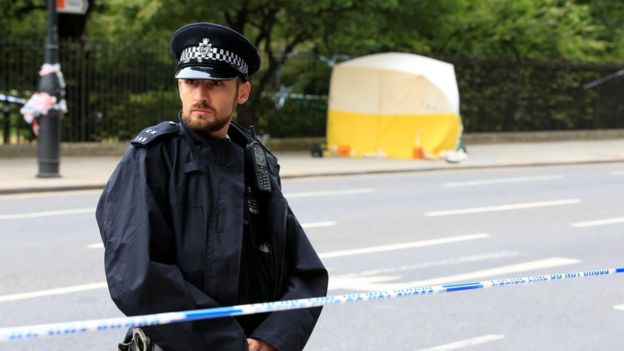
212, 51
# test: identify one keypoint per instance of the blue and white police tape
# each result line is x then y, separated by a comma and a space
8, 98
46, 330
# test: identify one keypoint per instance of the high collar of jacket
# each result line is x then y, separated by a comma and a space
221, 150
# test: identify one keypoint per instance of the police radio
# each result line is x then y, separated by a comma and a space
254, 152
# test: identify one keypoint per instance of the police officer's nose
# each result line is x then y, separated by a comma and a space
202, 91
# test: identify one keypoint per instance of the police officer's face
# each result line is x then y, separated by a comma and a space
208, 105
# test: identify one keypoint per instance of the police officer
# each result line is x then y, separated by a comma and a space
194, 217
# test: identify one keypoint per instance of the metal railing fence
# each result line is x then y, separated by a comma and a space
503, 96
113, 91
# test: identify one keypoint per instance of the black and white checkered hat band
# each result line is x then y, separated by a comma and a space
206, 52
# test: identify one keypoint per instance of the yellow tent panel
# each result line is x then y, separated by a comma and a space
393, 105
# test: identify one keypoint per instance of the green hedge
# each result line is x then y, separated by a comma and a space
528, 96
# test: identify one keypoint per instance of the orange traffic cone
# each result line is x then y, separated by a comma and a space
344, 150
417, 152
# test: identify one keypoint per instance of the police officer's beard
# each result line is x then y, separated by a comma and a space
208, 125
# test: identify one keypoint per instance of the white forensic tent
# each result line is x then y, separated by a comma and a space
395, 105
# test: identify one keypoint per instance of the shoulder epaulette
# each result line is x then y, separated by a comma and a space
150, 134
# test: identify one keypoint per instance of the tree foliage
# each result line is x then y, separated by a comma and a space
567, 30
576, 31
609, 16
23, 18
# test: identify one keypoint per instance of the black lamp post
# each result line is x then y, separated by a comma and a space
48, 145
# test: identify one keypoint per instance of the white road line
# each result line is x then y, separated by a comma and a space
52, 292
304, 225
380, 282
491, 272
53, 194
401, 246
330, 193
501, 181
446, 262
619, 307
617, 173
598, 222
509, 207
465, 343
47, 213
318, 224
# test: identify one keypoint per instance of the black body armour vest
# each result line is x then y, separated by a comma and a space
258, 269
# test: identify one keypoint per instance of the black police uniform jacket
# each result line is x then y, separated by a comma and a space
171, 219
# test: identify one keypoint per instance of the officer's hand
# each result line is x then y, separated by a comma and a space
259, 345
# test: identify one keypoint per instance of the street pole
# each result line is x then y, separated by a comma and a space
48, 145
7, 121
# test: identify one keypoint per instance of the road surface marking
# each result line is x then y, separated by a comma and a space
53, 194
318, 224
501, 181
401, 246
618, 173
380, 282
466, 343
52, 292
47, 213
329, 193
304, 225
447, 262
619, 307
598, 222
509, 207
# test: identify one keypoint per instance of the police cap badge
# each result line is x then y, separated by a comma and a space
212, 51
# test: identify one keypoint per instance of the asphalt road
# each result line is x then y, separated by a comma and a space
373, 233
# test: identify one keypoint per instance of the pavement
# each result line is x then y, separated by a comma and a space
19, 175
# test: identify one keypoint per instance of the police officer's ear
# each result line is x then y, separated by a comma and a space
244, 88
